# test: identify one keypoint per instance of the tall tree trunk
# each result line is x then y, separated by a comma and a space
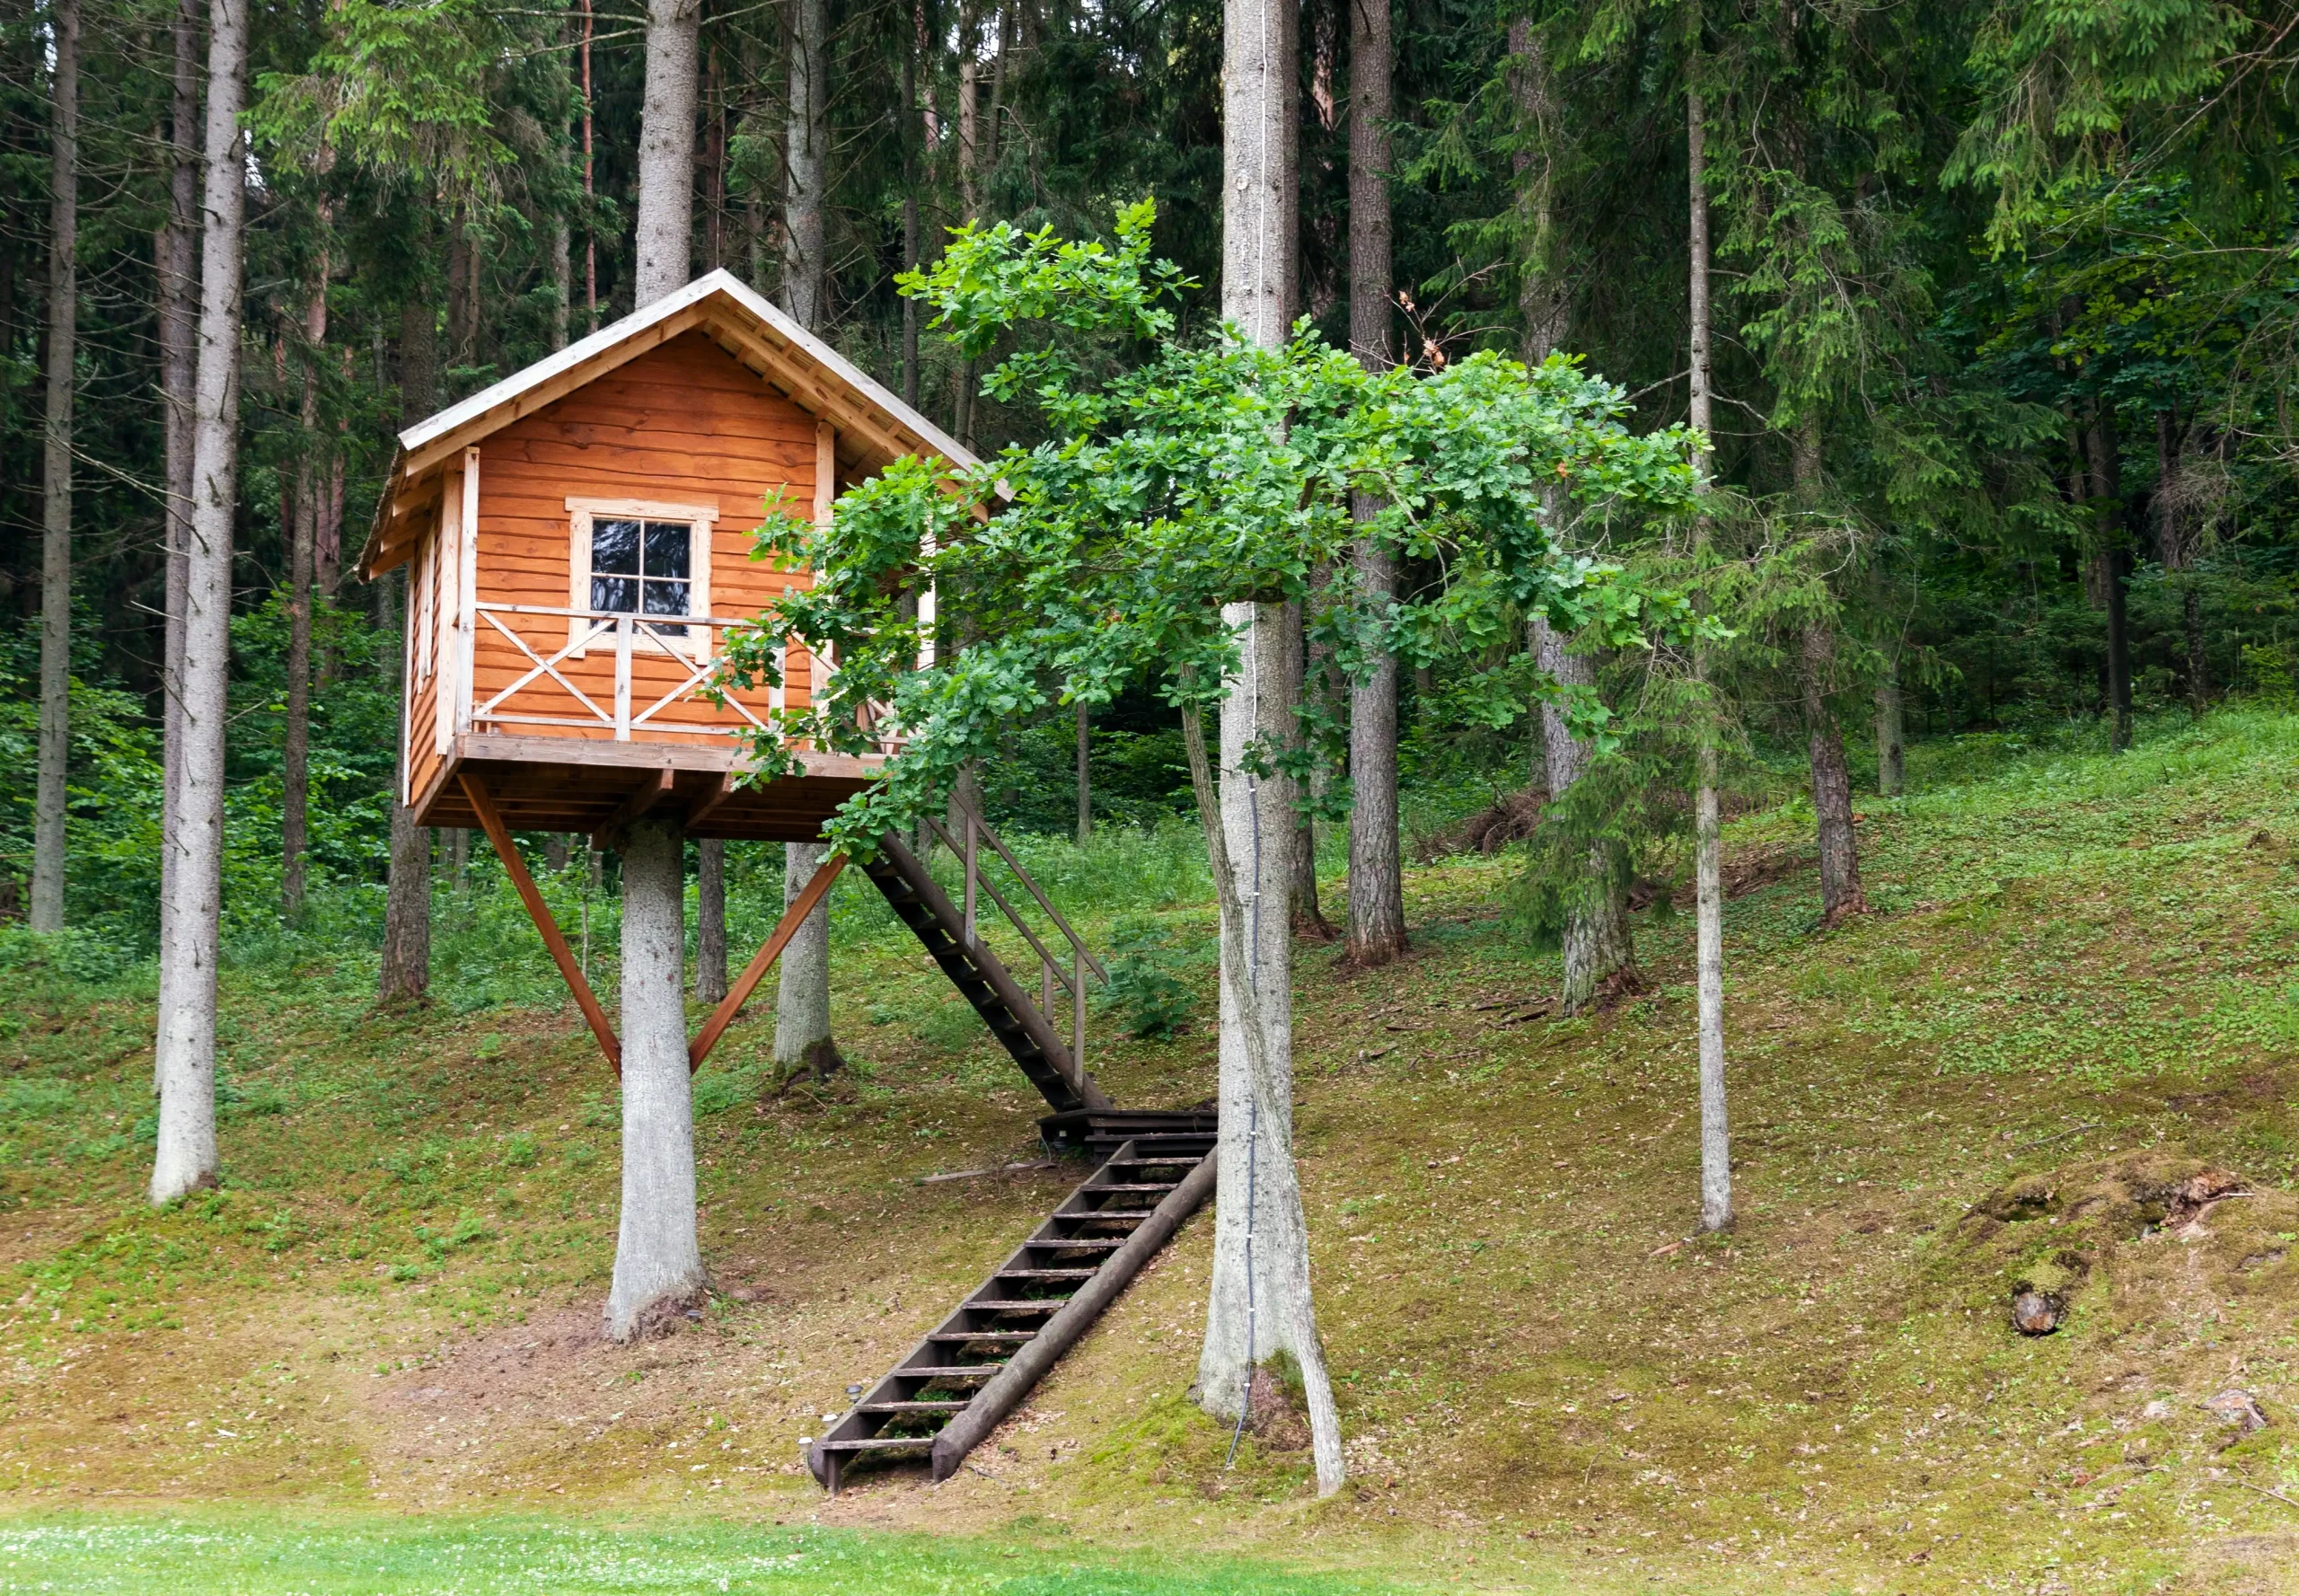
1840, 890
590, 214
969, 198
1259, 1193
1376, 934
55, 470
710, 921
913, 227
2176, 549
178, 259
295, 754
184, 1049
562, 300
1891, 745
1708, 851
1302, 911
665, 229
658, 1262
1542, 303
802, 1033
406, 974
806, 281
1085, 772
1600, 942
2106, 493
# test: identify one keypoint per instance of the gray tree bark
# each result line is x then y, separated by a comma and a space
665, 226
1708, 850
802, 1033
184, 1050
804, 266
913, 228
295, 752
177, 256
1600, 942
1307, 920
657, 1261
406, 974
1840, 890
1891, 741
710, 921
1259, 1299
1085, 773
56, 470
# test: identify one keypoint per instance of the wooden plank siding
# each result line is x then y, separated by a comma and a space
684, 423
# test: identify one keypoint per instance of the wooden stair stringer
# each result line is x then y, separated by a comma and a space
1032, 1333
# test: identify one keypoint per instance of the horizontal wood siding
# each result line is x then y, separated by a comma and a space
682, 423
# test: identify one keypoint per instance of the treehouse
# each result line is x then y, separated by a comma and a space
578, 540
579, 544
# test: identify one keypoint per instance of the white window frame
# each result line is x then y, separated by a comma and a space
700, 517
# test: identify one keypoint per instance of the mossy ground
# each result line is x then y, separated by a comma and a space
392, 1304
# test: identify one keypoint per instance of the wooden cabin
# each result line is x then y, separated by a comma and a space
578, 540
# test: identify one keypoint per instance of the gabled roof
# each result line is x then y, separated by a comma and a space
875, 428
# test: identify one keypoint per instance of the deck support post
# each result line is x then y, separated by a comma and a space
506, 850
793, 917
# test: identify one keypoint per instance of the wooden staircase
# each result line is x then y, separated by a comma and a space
977, 1366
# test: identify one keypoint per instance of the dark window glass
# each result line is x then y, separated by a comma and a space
614, 547
642, 568
667, 544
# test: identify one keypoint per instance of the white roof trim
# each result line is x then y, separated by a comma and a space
584, 350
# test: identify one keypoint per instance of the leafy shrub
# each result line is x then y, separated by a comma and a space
1152, 1002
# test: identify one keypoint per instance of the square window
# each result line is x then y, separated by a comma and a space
639, 559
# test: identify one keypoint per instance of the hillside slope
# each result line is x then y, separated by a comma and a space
2071, 1023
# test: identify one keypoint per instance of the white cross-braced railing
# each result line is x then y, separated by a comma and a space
627, 635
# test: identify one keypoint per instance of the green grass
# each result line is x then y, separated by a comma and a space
259, 1556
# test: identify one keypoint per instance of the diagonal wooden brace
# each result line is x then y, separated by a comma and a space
492, 822
723, 1015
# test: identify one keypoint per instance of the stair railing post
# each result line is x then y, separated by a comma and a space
972, 867
1045, 986
1078, 1008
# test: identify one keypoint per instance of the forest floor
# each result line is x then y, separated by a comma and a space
2071, 1019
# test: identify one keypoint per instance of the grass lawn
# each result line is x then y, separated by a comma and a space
262, 1555
2079, 986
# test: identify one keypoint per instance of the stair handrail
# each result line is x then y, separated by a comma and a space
1050, 970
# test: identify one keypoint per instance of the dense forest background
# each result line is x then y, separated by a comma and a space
2007, 333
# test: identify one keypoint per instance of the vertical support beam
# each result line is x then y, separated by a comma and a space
622, 679
439, 627
467, 596
973, 870
492, 822
793, 917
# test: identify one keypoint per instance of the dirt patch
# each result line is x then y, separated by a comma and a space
1509, 818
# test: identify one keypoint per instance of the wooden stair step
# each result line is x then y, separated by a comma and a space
932, 1406
879, 1443
1015, 1304
1075, 1243
965, 1335
950, 1371
1057, 1274
1160, 1186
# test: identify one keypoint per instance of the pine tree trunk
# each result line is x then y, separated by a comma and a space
657, 1261
1375, 932
56, 472
296, 752
802, 1033
177, 257
804, 268
1891, 747
1259, 1299
562, 301
1085, 773
1708, 851
184, 1049
710, 921
2115, 560
2178, 554
406, 974
1840, 890
665, 230
913, 227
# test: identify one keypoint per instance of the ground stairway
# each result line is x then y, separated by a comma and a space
977, 1366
